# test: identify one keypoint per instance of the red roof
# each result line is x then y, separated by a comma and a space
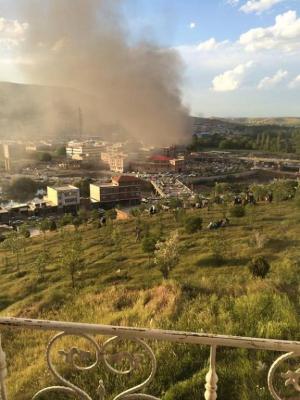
160, 158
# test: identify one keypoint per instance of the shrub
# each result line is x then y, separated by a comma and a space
149, 245
193, 224
52, 225
259, 267
238, 211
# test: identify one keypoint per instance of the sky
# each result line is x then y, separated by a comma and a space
241, 57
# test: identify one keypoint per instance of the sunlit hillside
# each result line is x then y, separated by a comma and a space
209, 290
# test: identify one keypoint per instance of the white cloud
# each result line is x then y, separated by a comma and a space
270, 81
295, 83
12, 32
211, 44
193, 25
231, 80
233, 2
258, 6
285, 34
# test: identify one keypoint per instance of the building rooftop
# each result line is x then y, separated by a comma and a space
125, 179
63, 188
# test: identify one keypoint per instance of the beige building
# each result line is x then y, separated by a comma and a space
122, 189
117, 162
64, 196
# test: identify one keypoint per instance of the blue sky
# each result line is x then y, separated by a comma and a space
241, 57
224, 76
168, 20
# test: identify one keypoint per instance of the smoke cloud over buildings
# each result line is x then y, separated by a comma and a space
82, 44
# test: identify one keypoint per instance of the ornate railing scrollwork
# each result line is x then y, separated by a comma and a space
292, 378
138, 359
75, 358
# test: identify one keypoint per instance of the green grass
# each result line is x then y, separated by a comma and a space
119, 286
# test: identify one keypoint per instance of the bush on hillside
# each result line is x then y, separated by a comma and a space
193, 224
259, 267
52, 225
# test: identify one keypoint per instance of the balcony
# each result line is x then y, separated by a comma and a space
282, 384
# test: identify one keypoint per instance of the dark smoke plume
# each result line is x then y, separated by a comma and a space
81, 44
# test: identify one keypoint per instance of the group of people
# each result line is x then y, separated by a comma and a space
248, 199
222, 223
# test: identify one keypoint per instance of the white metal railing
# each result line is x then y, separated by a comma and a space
74, 357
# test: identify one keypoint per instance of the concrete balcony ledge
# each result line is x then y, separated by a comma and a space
73, 356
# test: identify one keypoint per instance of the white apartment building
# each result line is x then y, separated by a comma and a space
83, 151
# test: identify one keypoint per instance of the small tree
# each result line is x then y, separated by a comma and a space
52, 225
41, 263
167, 255
193, 224
72, 257
14, 243
45, 226
259, 240
179, 215
259, 267
66, 220
149, 245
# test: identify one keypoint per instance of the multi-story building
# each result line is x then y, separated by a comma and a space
159, 164
84, 151
64, 197
122, 189
117, 162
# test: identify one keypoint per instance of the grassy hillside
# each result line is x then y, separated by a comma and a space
118, 285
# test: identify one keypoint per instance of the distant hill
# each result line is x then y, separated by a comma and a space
237, 125
282, 121
229, 122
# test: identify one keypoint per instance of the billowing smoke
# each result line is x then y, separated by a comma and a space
82, 44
